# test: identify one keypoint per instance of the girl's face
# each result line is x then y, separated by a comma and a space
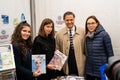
48, 29
25, 32
91, 25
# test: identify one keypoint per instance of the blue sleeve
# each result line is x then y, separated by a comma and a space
108, 45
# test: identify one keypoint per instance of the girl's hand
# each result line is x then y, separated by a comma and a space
52, 67
36, 73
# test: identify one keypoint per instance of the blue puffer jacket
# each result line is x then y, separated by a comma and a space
99, 49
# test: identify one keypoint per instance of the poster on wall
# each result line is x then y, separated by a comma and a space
11, 15
4, 35
59, 23
6, 28
6, 57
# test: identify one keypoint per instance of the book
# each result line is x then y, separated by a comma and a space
0, 76
0, 61
58, 60
8, 74
75, 78
39, 63
6, 57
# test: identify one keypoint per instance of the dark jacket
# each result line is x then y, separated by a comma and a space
45, 45
99, 49
23, 66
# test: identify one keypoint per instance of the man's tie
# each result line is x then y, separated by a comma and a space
71, 40
71, 58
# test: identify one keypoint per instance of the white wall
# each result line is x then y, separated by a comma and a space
107, 11
13, 9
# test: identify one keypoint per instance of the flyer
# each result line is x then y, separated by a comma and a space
58, 59
39, 63
6, 57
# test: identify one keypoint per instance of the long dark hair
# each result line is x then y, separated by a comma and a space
18, 40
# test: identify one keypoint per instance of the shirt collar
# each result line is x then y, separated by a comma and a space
72, 30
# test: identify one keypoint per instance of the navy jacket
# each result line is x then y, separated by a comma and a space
23, 67
99, 49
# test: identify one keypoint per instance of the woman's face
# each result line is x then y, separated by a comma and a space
25, 32
48, 29
91, 25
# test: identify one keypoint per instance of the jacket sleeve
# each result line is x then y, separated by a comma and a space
108, 45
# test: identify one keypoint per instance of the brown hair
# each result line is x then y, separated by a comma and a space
93, 17
18, 40
41, 29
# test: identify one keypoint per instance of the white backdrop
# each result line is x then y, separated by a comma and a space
13, 9
107, 11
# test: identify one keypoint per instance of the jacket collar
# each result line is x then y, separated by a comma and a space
65, 30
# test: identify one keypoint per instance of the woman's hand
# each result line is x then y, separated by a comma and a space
52, 67
36, 73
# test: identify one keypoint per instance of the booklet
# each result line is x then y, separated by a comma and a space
6, 57
75, 78
39, 63
58, 60
8, 75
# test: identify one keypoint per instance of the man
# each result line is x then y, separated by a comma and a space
70, 41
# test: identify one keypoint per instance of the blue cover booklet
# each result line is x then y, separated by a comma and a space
39, 63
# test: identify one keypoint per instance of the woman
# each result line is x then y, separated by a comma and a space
99, 48
44, 43
22, 44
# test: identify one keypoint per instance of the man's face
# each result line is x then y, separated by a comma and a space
69, 21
